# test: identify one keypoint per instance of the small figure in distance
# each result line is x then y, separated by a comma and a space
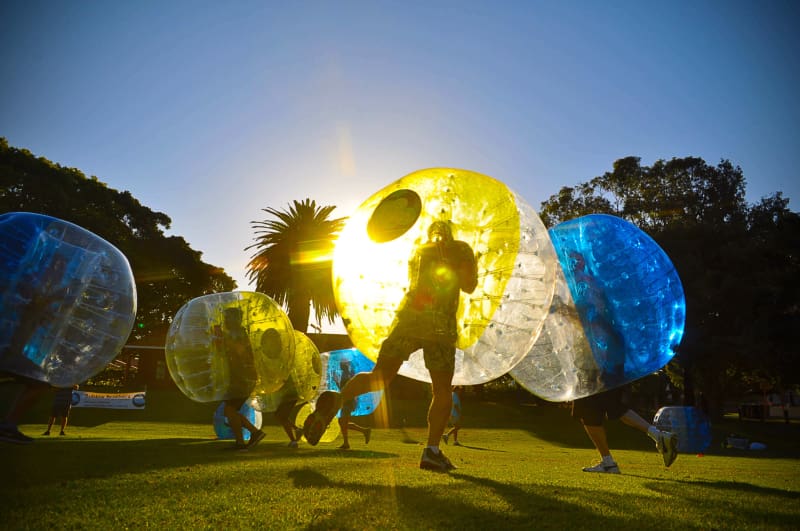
426, 319
455, 417
232, 339
593, 410
345, 420
62, 404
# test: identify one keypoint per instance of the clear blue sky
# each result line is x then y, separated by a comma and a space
211, 111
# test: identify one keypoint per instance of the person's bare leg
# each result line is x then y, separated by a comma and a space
376, 380
441, 404
344, 425
26, 398
632, 419
597, 434
63, 424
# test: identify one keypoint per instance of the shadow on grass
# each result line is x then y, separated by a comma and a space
59, 459
435, 507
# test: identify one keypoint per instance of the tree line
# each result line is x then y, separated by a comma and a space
738, 262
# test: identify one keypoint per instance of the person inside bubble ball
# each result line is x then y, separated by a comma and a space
232, 339
439, 271
598, 323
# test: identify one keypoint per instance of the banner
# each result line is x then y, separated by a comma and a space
109, 400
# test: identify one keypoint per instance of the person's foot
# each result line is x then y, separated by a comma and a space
10, 433
667, 444
435, 462
242, 447
344, 446
255, 438
47, 433
603, 468
62, 434
317, 422
456, 443
292, 444
367, 435
445, 437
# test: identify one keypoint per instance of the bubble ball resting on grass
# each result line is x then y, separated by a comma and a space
228, 345
689, 424
618, 311
223, 430
338, 366
67, 299
304, 381
498, 322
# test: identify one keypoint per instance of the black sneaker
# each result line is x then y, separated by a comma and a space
436, 462
255, 438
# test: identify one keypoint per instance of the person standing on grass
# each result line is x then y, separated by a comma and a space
62, 404
594, 410
455, 417
232, 339
426, 319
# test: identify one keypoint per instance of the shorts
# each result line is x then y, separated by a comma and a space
62, 403
439, 355
594, 410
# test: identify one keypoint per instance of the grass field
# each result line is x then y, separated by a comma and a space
519, 468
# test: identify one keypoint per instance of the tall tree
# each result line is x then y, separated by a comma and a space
293, 260
168, 272
739, 265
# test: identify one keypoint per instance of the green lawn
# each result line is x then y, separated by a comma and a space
519, 468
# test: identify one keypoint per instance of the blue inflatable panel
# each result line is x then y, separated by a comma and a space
67, 299
689, 424
618, 311
341, 365
223, 429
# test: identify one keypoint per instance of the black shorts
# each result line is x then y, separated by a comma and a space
594, 410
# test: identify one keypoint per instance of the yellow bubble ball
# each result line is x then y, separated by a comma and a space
228, 345
499, 321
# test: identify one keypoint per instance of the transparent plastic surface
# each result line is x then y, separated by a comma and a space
230, 345
618, 313
67, 299
690, 424
338, 367
223, 429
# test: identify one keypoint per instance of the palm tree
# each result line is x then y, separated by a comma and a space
293, 260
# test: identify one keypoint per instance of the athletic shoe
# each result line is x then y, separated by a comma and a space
317, 422
292, 444
456, 443
603, 468
670, 444
46, 434
367, 435
436, 462
10, 433
237, 446
255, 438
62, 434
445, 437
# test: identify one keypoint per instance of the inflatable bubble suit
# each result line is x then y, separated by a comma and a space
223, 429
228, 345
617, 315
339, 366
689, 424
498, 322
67, 299
331, 433
305, 375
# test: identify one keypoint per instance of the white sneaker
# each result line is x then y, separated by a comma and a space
603, 468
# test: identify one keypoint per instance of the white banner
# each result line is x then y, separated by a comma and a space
109, 400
